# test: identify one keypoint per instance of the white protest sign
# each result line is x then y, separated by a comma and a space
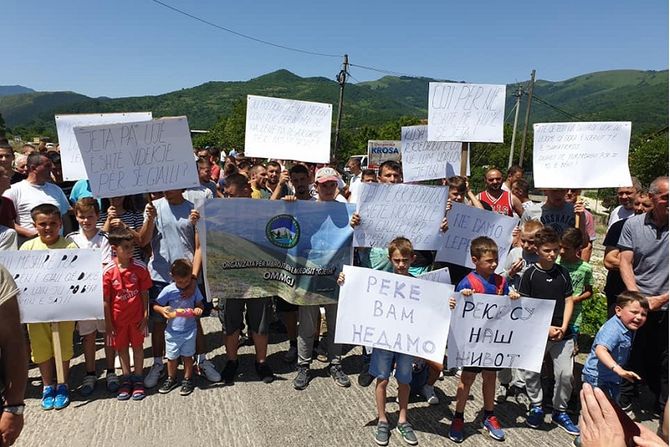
441, 275
466, 112
288, 129
393, 312
467, 223
57, 285
565, 155
391, 210
73, 165
491, 331
380, 151
131, 158
427, 160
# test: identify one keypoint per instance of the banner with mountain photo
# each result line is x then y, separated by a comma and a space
259, 248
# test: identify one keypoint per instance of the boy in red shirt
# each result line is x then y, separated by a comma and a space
126, 282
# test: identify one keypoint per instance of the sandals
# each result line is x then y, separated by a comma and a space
138, 388
125, 390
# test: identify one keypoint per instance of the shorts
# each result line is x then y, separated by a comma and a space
154, 291
477, 370
259, 313
41, 343
126, 335
284, 306
384, 361
611, 389
86, 327
180, 344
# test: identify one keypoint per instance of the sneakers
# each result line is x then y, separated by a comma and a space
492, 426
456, 430
48, 396
169, 385
382, 433
138, 388
339, 376
229, 371
407, 433
155, 373
186, 387
365, 378
535, 417
113, 383
87, 385
207, 369
62, 398
291, 355
301, 379
265, 372
562, 419
428, 392
125, 391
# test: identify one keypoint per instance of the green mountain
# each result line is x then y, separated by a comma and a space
630, 95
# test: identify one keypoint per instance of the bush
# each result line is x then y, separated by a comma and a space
594, 313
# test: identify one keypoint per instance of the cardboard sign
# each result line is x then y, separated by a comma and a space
565, 155
412, 211
288, 129
427, 160
466, 112
73, 164
467, 223
393, 312
380, 151
490, 331
57, 285
131, 158
441, 275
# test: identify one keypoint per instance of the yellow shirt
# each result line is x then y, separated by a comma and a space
37, 244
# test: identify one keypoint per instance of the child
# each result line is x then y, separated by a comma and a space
87, 212
179, 302
484, 252
401, 255
126, 283
550, 281
48, 223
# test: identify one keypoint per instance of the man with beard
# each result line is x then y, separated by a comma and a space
277, 181
501, 201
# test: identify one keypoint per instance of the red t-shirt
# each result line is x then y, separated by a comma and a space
7, 212
501, 205
124, 290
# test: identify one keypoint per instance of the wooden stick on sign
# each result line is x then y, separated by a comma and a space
58, 354
577, 216
464, 159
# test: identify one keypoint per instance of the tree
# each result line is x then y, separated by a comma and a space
649, 157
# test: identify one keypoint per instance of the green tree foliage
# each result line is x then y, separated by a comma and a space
649, 157
2, 127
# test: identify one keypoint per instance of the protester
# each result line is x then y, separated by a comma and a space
258, 177
206, 186
501, 201
556, 211
514, 173
626, 196
278, 181
520, 190
460, 192
8, 236
121, 214
20, 168
354, 166
7, 160
572, 196
369, 176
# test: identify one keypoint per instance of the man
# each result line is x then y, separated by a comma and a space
501, 201
277, 182
643, 263
7, 159
354, 166
556, 212
258, 177
626, 196
20, 168
368, 176
514, 173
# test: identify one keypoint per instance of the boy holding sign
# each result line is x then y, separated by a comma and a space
484, 252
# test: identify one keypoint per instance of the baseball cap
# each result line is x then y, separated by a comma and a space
326, 174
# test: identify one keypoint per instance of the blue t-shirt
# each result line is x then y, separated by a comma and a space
618, 340
171, 296
489, 284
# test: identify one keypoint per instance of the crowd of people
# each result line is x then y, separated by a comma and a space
153, 284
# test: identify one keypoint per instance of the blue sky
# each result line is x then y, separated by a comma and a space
137, 47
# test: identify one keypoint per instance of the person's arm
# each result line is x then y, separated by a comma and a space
657, 301
283, 179
197, 256
585, 295
27, 233
109, 326
15, 368
608, 361
626, 270
474, 200
145, 306
567, 314
149, 225
611, 258
516, 205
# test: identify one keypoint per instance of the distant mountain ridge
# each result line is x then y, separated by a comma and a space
624, 95
9, 90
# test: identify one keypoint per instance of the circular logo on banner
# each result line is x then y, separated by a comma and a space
283, 231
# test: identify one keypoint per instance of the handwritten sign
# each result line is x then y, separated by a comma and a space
441, 275
393, 312
467, 223
73, 164
427, 160
412, 211
466, 112
565, 154
131, 158
57, 285
380, 151
490, 331
288, 129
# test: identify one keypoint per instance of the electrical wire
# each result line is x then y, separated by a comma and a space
558, 109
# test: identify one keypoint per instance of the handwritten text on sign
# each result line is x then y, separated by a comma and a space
427, 160
73, 165
288, 129
465, 112
467, 223
412, 211
380, 151
493, 331
57, 285
565, 154
393, 312
442, 275
131, 158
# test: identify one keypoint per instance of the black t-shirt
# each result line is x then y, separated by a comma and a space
553, 284
17, 177
614, 285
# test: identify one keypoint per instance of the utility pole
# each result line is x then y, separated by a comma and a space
517, 105
525, 126
342, 80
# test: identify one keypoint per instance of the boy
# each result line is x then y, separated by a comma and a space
484, 252
382, 362
87, 212
126, 283
180, 302
549, 281
48, 223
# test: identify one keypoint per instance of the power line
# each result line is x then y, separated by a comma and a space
383, 71
245, 36
558, 109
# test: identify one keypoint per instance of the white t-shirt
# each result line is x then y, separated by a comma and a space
100, 241
27, 196
619, 213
